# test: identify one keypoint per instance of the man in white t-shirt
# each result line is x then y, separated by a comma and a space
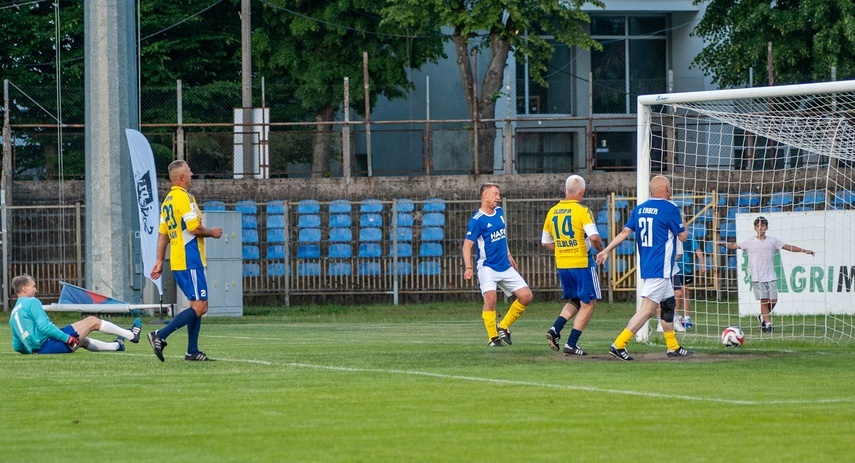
761, 251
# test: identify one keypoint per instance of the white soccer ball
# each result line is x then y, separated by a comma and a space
732, 337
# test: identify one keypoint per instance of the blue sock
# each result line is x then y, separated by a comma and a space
186, 316
559, 324
574, 337
193, 329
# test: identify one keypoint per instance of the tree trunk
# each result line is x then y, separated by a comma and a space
322, 142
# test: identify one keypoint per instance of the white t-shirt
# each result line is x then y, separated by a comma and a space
761, 257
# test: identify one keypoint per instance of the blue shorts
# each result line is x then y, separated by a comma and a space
192, 282
581, 283
53, 346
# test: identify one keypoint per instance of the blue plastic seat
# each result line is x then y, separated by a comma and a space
430, 250
340, 221
248, 221
341, 235
813, 197
308, 206
770, 209
603, 216
433, 205
403, 250
728, 229
277, 235
732, 211
709, 247
251, 270
404, 219
619, 263
803, 207
214, 206
432, 234
404, 235
621, 201
626, 248
368, 269
246, 206
429, 267
275, 207
433, 219
844, 198
340, 251
371, 220
697, 231
275, 221
250, 253
309, 235
309, 221
308, 251
403, 268
309, 269
277, 270
748, 199
276, 252
371, 206
683, 200
340, 206
250, 236
731, 263
781, 198
404, 205
704, 216
370, 234
369, 250
339, 269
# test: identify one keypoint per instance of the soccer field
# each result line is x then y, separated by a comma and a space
418, 383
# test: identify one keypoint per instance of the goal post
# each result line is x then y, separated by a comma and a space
785, 153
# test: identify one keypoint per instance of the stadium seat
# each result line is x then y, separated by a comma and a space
403, 250
683, 200
341, 235
371, 220
748, 199
250, 236
709, 246
308, 251
250, 253
403, 268
433, 219
339, 269
340, 206
697, 231
844, 198
309, 221
620, 265
728, 229
603, 216
308, 269
803, 207
251, 270
308, 206
732, 211
213, 206
340, 251
246, 206
404, 206
620, 202
275, 207
432, 234
369, 250
780, 198
403, 219
813, 197
404, 235
430, 250
368, 269
770, 209
433, 205
276, 252
308, 235
276, 235
703, 215
340, 221
277, 270
248, 221
429, 267
370, 234
275, 221
626, 248
732, 263
371, 206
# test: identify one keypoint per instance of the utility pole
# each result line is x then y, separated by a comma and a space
246, 88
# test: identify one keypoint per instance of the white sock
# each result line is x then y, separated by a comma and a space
111, 328
95, 345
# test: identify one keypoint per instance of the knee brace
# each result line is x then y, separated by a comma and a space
666, 309
575, 302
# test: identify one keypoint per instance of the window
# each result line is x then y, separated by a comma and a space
633, 61
533, 98
544, 152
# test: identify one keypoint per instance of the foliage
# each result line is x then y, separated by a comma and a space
808, 37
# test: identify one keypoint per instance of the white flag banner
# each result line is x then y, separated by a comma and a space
145, 182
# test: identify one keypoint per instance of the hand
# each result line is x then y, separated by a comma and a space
806, 251
216, 232
513, 262
156, 270
73, 342
602, 256
467, 275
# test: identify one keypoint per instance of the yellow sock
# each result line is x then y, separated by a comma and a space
490, 323
623, 338
671, 340
514, 312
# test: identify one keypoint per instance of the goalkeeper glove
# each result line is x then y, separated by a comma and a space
73, 342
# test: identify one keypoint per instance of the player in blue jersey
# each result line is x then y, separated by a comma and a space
34, 333
659, 228
496, 266
181, 228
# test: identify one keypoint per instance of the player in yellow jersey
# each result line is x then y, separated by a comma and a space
181, 227
564, 232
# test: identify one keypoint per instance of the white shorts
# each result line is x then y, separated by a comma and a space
509, 281
657, 289
765, 290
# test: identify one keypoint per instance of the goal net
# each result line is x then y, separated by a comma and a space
784, 153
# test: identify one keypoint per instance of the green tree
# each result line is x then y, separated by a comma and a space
495, 28
808, 37
316, 44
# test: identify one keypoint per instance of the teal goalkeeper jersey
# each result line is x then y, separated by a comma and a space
31, 326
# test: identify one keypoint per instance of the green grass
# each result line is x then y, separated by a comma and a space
417, 383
